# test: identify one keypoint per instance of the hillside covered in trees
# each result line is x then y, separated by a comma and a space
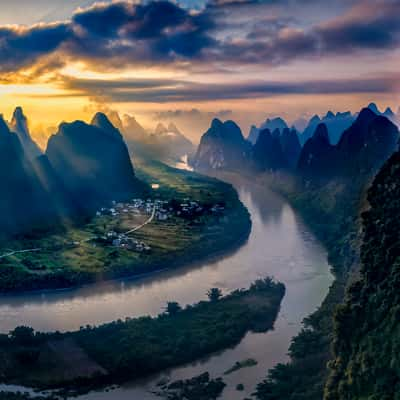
366, 344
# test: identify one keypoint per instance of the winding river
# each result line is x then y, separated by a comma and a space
280, 245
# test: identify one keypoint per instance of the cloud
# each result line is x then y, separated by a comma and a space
193, 121
21, 47
122, 33
102, 20
102, 85
164, 90
192, 113
118, 34
132, 33
274, 39
370, 24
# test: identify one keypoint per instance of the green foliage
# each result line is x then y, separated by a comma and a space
137, 347
200, 387
214, 294
364, 333
172, 308
332, 211
240, 387
172, 339
23, 335
175, 242
366, 348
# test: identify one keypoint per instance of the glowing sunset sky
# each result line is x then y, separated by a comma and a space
191, 60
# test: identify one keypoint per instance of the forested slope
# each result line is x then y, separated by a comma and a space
366, 344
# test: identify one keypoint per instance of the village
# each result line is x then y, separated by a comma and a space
156, 209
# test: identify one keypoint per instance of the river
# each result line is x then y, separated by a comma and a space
279, 245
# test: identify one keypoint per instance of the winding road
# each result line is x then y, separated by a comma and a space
136, 228
11, 253
153, 213
279, 245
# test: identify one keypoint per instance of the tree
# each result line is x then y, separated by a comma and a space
173, 308
214, 294
23, 335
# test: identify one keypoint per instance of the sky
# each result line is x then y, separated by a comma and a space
189, 61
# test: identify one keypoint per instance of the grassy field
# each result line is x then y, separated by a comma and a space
60, 263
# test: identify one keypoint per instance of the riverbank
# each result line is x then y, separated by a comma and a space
279, 245
172, 243
130, 349
332, 212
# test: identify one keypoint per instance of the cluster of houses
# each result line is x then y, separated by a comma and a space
137, 206
193, 208
118, 208
161, 210
124, 241
185, 209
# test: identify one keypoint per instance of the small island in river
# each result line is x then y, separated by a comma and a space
126, 350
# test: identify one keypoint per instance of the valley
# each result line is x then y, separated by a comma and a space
181, 216
187, 214
140, 235
328, 185
292, 255
200, 200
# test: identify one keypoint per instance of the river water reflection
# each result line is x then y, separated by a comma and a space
280, 245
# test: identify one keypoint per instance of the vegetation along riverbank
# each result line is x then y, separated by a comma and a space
186, 217
130, 349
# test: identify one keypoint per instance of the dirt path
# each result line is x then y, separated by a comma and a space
136, 228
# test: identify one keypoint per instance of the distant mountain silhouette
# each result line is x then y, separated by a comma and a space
290, 146
336, 124
367, 143
271, 124
165, 143
300, 124
268, 153
353, 140
160, 129
101, 121
93, 162
362, 149
222, 147
388, 113
173, 140
317, 156
115, 119
172, 128
253, 134
19, 125
374, 108
133, 130
276, 150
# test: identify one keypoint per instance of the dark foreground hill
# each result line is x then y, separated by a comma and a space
93, 162
84, 166
25, 201
366, 345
